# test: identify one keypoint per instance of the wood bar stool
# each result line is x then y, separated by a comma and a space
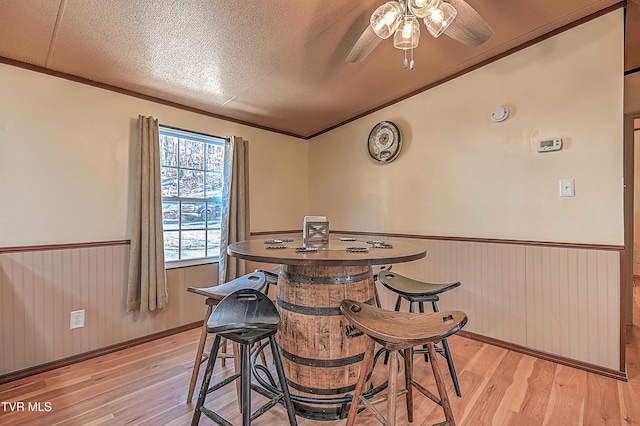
244, 317
214, 295
401, 331
415, 291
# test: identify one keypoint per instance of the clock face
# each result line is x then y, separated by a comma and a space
384, 142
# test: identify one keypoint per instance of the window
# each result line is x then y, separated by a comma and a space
191, 167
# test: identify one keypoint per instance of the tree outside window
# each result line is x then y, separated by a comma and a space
191, 167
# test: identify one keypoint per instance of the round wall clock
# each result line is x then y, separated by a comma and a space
384, 142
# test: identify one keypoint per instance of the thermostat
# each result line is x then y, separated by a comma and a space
544, 145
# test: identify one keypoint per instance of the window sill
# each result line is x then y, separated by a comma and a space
174, 264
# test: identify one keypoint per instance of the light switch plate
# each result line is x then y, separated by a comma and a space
567, 188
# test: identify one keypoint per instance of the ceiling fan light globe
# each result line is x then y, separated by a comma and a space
386, 19
408, 34
423, 8
440, 19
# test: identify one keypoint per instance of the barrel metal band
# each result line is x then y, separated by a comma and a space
322, 363
319, 412
346, 279
318, 391
310, 310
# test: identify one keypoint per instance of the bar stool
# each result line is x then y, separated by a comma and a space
214, 295
375, 279
401, 331
245, 317
415, 291
272, 277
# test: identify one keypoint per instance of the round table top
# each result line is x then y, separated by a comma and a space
337, 252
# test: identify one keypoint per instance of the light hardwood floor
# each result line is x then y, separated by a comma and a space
147, 384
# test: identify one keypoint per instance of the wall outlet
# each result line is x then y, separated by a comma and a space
77, 319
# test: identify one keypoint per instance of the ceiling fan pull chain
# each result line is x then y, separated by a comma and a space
412, 63
405, 63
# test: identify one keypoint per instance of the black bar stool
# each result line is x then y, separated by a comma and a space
415, 291
271, 276
400, 331
244, 317
375, 279
214, 295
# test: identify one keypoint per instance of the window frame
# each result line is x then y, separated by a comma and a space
219, 141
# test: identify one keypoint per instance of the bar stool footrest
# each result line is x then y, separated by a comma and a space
369, 405
223, 383
423, 351
273, 400
215, 417
426, 392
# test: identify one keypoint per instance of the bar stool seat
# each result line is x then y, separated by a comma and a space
415, 291
254, 280
245, 317
401, 331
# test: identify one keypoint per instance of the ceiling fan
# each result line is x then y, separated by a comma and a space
454, 18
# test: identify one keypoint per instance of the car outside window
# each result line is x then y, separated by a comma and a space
191, 169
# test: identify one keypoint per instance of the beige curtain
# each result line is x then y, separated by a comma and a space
235, 224
147, 284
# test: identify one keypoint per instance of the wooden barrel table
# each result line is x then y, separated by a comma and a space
322, 354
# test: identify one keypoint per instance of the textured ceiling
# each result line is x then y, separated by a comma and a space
277, 64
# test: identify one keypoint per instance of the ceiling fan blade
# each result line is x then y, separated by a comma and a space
468, 27
366, 43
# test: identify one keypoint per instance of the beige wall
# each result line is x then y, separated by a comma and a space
65, 153
65, 161
460, 174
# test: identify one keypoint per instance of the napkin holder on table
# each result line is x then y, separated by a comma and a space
315, 230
